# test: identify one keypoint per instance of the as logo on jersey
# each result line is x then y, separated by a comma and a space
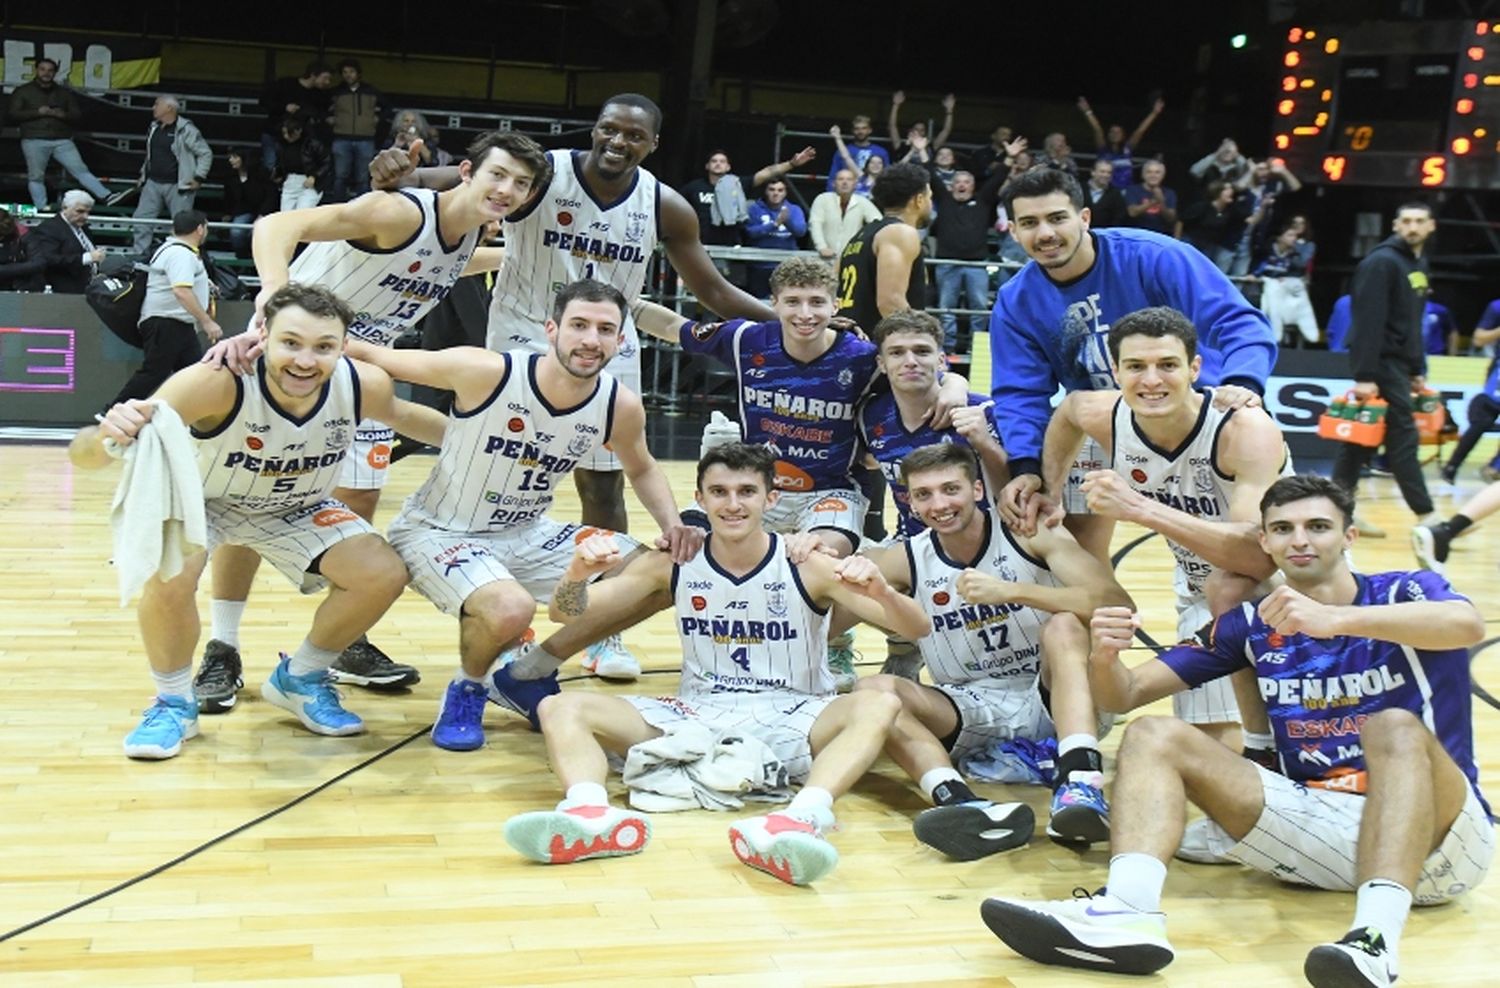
254, 442
941, 598
1203, 481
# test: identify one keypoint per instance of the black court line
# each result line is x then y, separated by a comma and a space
1114, 563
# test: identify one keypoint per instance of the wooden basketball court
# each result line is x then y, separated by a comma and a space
377, 860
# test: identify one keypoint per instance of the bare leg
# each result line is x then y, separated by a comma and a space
580, 727
493, 618
361, 501
603, 495
848, 736
168, 616
234, 568
1065, 656
926, 716
366, 577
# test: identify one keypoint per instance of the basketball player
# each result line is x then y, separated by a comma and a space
1182, 467
800, 383
1007, 650
271, 447
752, 626
1367, 681
391, 257
1051, 319
600, 216
881, 270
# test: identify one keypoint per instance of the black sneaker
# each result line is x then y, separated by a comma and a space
1430, 545
1361, 958
217, 685
362, 664
1449, 474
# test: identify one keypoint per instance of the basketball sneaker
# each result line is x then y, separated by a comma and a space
1430, 544
577, 833
968, 831
312, 699
902, 659
719, 431
169, 721
460, 718
217, 686
1080, 813
1360, 959
610, 659
363, 664
787, 846
841, 657
1097, 932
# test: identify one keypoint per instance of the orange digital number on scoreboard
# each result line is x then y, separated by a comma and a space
1333, 167
1434, 170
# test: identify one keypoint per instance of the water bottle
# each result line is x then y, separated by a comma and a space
1337, 408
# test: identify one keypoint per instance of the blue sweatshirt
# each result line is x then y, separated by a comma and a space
1044, 334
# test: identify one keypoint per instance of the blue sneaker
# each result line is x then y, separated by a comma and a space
168, 722
522, 695
313, 699
460, 719
1080, 814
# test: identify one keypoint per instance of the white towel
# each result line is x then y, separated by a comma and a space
692, 766
157, 516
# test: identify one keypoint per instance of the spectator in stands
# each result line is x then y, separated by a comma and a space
903, 148
354, 115
247, 196
838, 215
774, 224
409, 126
1268, 184
1283, 296
1114, 147
1057, 154
991, 158
1224, 164
64, 245
303, 166
873, 165
859, 150
441, 156
960, 231
1150, 204
174, 307
303, 96
46, 112
945, 166
176, 163
1216, 223
1105, 201
1305, 243
722, 198
19, 270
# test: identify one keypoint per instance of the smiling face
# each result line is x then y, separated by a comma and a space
735, 501
1050, 229
1152, 173
1306, 539
912, 362
804, 311
302, 351
944, 498
588, 337
962, 188
1102, 173
498, 184
1156, 377
623, 136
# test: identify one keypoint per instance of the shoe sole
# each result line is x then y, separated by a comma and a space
292, 704
960, 831
614, 675
216, 705
1424, 547
1078, 825
797, 859
1329, 967
155, 752
1047, 940
554, 837
378, 684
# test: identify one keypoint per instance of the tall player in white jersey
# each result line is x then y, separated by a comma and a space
1188, 470
391, 257
752, 626
476, 536
271, 447
1007, 650
600, 217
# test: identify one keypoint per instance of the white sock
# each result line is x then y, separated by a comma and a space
813, 803
309, 659
586, 794
931, 780
1136, 880
1075, 741
176, 684
465, 677
224, 617
1383, 905
1257, 742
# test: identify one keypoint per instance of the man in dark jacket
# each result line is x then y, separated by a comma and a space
46, 113
1385, 349
303, 166
354, 116
64, 242
304, 96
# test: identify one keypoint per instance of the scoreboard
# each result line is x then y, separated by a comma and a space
1415, 105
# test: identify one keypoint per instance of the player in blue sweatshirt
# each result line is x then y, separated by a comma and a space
1051, 320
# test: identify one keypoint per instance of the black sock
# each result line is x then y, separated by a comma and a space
952, 791
1078, 760
1264, 757
1457, 524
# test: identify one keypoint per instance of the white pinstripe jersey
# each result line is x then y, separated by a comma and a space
753, 634
260, 458
565, 235
978, 642
390, 290
501, 462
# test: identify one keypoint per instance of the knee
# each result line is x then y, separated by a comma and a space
1392, 732
1156, 738
385, 575
502, 616
1065, 639
875, 707
558, 709
881, 683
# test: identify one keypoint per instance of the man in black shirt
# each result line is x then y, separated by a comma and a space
177, 162
306, 97
880, 271
961, 231
1105, 201
722, 200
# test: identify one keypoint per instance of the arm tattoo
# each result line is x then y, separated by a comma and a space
571, 597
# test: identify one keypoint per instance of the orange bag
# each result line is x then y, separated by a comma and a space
1351, 420
1429, 415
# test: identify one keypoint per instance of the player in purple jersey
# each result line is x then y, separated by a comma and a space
1366, 679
